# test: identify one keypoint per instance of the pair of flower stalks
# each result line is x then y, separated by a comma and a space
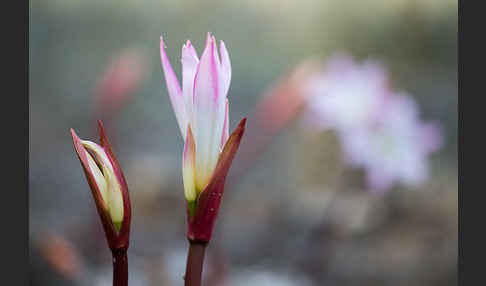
201, 108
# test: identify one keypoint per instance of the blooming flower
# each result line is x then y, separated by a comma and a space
108, 187
202, 111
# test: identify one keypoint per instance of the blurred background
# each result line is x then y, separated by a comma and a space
294, 213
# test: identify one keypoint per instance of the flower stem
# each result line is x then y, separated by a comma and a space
120, 267
194, 267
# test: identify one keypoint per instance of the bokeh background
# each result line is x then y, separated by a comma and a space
297, 215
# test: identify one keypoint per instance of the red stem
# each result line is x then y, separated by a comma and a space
120, 267
194, 267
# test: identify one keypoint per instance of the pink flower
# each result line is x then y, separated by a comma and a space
380, 131
396, 147
202, 111
346, 95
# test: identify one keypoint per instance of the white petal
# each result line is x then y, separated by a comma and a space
190, 62
189, 167
99, 178
225, 67
225, 126
99, 153
113, 196
115, 202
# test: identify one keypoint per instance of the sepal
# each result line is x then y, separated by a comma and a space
201, 225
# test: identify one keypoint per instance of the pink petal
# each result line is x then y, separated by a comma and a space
379, 181
225, 67
174, 89
432, 138
208, 39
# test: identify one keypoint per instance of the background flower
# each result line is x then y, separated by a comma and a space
379, 130
346, 95
396, 147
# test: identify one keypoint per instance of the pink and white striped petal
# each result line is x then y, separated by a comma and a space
209, 113
174, 89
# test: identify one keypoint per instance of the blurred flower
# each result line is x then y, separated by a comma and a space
277, 108
118, 82
108, 187
346, 94
61, 255
396, 147
202, 111
283, 101
380, 130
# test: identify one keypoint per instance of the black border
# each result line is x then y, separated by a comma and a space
14, 210
471, 86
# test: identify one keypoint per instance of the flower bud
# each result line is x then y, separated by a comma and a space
108, 187
106, 180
